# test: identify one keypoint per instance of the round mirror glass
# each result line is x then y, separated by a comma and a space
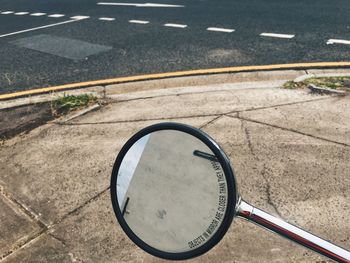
172, 192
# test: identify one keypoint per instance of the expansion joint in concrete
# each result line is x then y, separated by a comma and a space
46, 229
27, 211
26, 242
57, 238
287, 104
290, 130
138, 120
210, 122
75, 210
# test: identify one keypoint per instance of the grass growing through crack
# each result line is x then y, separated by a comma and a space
323, 82
68, 103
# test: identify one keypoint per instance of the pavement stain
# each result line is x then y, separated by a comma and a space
23, 119
229, 55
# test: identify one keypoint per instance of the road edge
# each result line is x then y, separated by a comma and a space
197, 72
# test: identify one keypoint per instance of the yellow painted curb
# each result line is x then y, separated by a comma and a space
174, 74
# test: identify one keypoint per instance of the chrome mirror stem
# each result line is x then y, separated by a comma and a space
291, 232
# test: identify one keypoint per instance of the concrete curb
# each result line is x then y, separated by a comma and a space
293, 66
315, 89
110, 91
312, 75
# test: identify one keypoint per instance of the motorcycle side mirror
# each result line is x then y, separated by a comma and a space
174, 194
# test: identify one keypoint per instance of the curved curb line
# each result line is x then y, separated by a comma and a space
174, 74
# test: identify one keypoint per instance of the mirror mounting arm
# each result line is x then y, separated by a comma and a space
244, 210
291, 232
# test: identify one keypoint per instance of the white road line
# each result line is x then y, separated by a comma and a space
218, 29
276, 35
79, 17
139, 4
21, 13
56, 15
139, 22
7, 12
40, 27
37, 14
175, 25
106, 19
338, 41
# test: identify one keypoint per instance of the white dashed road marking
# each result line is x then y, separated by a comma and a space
106, 19
40, 27
276, 35
175, 25
79, 17
38, 14
21, 13
338, 41
139, 22
139, 4
218, 29
56, 15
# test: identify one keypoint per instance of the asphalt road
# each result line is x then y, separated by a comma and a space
86, 48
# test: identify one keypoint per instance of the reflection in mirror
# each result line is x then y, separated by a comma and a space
165, 175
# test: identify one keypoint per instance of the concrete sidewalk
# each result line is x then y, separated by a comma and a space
290, 150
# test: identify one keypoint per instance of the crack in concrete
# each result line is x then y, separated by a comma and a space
247, 135
263, 173
104, 92
268, 192
248, 140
